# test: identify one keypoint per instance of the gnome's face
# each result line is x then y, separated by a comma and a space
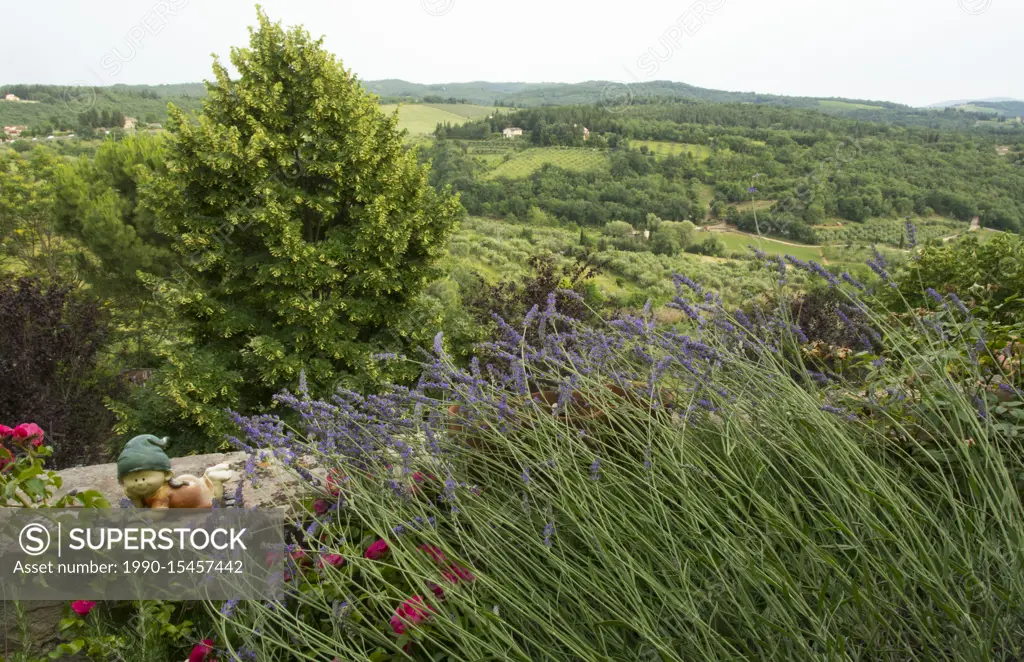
141, 484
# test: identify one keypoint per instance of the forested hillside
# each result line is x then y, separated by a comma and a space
45, 109
707, 161
58, 107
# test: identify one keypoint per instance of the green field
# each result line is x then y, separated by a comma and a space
845, 105
739, 242
971, 108
525, 163
759, 205
422, 119
662, 149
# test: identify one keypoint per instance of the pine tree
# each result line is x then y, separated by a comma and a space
97, 204
305, 229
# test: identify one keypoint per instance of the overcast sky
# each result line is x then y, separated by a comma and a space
912, 51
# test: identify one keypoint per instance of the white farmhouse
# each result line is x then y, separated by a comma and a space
512, 132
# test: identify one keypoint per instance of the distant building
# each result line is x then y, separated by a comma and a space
11, 97
13, 131
129, 123
586, 133
1020, 120
512, 132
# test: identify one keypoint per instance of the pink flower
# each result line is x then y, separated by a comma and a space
202, 651
377, 550
82, 607
334, 481
29, 433
320, 506
437, 590
462, 573
5, 431
433, 552
333, 560
299, 557
411, 612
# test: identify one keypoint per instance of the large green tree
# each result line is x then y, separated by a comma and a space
97, 203
305, 229
29, 237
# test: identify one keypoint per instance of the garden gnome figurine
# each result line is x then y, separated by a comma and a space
144, 472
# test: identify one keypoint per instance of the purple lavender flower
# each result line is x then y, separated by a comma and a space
439, 343
911, 233
824, 273
752, 189
684, 280
831, 409
796, 262
878, 265
982, 407
228, 608
853, 281
959, 304
549, 532
934, 295
595, 469
879, 258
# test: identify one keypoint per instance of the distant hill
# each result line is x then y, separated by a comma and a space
589, 92
962, 102
526, 95
61, 107
999, 105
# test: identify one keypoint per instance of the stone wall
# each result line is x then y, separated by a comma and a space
275, 488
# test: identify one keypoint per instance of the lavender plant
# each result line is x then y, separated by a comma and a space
717, 490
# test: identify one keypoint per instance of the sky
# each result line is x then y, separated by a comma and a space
910, 51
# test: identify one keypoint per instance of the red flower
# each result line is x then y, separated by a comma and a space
410, 612
320, 506
202, 651
334, 481
433, 552
299, 557
377, 550
29, 433
334, 560
462, 573
5, 431
82, 607
437, 590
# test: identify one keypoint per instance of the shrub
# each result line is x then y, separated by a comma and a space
619, 491
50, 369
306, 239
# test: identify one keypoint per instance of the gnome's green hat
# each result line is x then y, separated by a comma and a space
143, 453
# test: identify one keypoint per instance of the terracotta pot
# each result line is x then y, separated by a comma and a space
468, 432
